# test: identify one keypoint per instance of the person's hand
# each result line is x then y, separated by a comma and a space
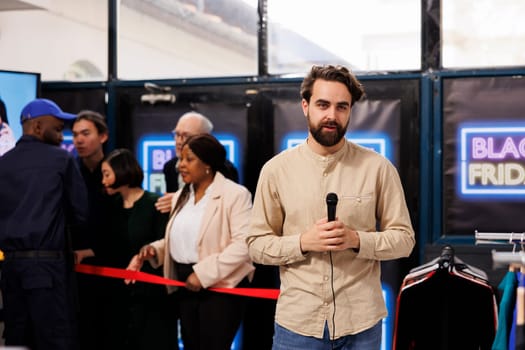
326, 236
193, 283
81, 254
163, 204
134, 265
147, 252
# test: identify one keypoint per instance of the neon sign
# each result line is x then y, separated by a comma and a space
492, 160
155, 150
388, 322
67, 143
378, 142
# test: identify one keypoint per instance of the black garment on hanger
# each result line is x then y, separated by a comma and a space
445, 305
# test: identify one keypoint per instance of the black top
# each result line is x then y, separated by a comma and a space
41, 192
91, 234
128, 230
171, 174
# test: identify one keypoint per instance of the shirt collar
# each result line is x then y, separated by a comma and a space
206, 192
328, 159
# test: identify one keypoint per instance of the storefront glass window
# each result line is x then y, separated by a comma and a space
61, 39
483, 33
374, 35
186, 39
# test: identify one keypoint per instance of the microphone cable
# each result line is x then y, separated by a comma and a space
331, 203
333, 298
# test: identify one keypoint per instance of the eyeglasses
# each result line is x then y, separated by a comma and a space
180, 135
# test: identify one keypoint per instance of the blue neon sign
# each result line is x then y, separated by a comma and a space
67, 143
377, 141
491, 160
155, 150
388, 323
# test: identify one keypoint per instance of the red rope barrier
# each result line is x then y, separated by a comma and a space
149, 278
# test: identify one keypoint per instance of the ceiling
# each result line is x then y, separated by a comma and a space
11, 5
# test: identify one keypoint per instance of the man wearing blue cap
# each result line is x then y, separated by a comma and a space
42, 194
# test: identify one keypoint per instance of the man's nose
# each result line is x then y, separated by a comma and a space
331, 112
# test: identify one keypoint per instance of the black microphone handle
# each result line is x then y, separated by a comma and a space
331, 204
331, 212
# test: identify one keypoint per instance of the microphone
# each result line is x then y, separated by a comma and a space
331, 204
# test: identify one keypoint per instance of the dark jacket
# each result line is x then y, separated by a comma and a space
42, 192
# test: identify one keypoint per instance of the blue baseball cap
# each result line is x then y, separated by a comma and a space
42, 107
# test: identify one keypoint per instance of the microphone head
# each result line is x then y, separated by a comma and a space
331, 198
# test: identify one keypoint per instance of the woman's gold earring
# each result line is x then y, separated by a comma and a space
207, 171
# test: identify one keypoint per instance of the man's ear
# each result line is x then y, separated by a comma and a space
37, 126
304, 105
104, 137
29, 127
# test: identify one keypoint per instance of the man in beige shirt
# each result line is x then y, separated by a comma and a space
331, 295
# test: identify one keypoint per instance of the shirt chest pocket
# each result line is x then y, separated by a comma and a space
358, 210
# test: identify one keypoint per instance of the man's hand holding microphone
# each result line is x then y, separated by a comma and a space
329, 234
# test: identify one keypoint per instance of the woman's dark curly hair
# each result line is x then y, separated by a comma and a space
211, 152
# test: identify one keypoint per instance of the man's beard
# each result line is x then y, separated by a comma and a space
50, 138
327, 139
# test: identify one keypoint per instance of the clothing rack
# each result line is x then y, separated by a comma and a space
445, 304
503, 259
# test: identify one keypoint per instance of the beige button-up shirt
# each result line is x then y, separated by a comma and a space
290, 198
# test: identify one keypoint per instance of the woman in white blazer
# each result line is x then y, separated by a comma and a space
204, 246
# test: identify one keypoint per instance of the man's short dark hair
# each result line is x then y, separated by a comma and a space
332, 73
94, 117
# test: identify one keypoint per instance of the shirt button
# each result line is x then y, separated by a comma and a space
358, 199
325, 278
325, 174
